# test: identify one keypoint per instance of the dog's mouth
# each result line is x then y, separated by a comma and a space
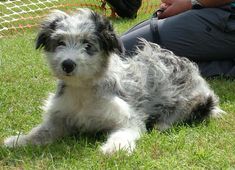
68, 74
62, 75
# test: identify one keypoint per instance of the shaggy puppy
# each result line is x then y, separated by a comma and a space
99, 91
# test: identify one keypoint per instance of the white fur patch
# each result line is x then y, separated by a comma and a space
123, 139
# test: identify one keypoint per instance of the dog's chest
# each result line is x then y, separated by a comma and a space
86, 111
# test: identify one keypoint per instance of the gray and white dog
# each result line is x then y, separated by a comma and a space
100, 91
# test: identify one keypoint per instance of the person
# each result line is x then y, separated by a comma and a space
201, 30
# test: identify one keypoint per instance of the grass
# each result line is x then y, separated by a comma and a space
25, 82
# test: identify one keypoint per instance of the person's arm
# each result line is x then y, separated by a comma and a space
173, 7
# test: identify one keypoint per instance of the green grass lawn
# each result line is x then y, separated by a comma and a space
25, 82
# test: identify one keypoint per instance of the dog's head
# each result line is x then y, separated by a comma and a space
77, 46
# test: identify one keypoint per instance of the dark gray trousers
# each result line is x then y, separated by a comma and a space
205, 36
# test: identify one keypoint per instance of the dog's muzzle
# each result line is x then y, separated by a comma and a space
68, 65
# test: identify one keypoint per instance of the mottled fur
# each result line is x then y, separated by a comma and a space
100, 91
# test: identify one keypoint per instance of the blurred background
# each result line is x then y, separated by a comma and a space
19, 15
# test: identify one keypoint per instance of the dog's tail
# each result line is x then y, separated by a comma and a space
205, 110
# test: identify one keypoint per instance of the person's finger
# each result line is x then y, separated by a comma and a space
163, 6
175, 8
159, 11
167, 13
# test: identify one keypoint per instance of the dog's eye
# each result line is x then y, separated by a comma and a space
88, 47
61, 43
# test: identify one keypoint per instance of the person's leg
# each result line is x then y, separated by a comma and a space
130, 39
217, 68
204, 36
138, 26
207, 36
200, 35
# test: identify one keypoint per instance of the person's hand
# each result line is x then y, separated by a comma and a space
173, 7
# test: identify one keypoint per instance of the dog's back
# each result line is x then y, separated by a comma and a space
169, 89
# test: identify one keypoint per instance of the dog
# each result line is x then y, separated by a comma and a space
100, 91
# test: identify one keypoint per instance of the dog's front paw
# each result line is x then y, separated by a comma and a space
15, 141
113, 146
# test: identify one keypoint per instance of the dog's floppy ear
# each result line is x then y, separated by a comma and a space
48, 26
108, 38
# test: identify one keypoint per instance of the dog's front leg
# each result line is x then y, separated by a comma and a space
128, 131
123, 139
44, 133
52, 128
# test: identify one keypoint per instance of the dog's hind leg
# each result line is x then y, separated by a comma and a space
217, 112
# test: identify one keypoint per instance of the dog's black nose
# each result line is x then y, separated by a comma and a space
68, 65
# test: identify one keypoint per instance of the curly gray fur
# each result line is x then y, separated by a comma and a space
159, 84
